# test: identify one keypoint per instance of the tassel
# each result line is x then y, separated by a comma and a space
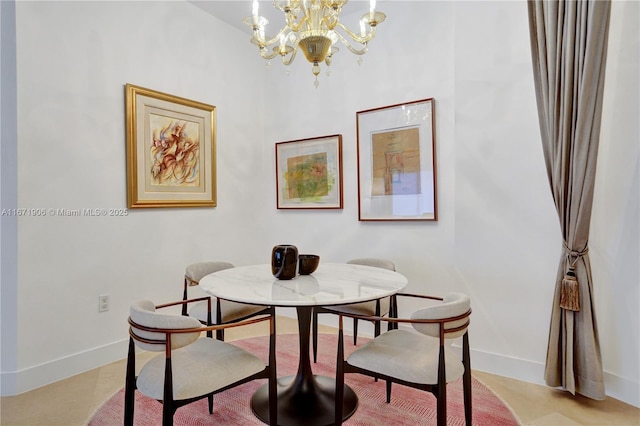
570, 292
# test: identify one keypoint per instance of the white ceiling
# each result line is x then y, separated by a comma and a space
233, 12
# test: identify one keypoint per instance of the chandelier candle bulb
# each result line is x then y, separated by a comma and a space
254, 12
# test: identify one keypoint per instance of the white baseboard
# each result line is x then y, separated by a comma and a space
622, 389
17, 382
616, 387
501, 365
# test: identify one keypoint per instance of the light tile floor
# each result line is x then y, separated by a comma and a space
72, 401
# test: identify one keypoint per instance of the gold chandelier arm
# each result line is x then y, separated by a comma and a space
330, 21
275, 39
291, 21
264, 52
287, 61
350, 47
286, 52
360, 39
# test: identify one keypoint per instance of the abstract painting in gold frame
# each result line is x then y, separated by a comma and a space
171, 156
309, 173
397, 162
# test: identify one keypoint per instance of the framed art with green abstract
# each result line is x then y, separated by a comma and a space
309, 173
171, 156
397, 162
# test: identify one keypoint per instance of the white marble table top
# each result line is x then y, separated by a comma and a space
330, 284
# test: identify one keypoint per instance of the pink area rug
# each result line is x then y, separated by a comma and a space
408, 406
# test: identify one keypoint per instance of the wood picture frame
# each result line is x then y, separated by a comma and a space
397, 162
171, 150
309, 173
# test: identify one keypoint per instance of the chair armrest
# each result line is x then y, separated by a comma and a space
420, 296
182, 302
400, 320
249, 321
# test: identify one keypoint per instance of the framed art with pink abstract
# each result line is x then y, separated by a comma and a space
171, 156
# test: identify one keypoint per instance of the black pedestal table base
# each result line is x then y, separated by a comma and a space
304, 399
315, 407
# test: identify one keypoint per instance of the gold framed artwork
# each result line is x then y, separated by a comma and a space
397, 162
309, 173
171, 156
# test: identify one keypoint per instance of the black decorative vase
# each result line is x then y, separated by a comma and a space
284, 262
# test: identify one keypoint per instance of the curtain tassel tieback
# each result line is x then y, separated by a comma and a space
570, 291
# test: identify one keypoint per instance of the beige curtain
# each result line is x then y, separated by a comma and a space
569, 49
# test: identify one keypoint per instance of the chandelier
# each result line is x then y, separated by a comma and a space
314, 27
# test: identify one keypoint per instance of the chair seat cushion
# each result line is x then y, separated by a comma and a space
408, 356
364, 308
231, 311
198, 369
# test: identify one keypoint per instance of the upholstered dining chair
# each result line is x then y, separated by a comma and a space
378, 308
223, 311
420, 358
189, 367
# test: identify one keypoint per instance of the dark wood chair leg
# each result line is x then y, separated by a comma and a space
167, 414
167, 401
466, 379
376, 326
389, 383
339, 395
219, 333
130, 385
355, 331
315, 335
209, 333
210, 400
273, 376
442, 389
184, 297
393, 312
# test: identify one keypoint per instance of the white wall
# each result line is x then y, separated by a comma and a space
73, 62
497, 237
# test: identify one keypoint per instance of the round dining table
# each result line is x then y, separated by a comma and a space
304, 399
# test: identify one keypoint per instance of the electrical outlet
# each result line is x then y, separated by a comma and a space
103, 303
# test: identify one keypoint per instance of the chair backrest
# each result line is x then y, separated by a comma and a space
453, 305
372, 261
143, 313
196, 271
